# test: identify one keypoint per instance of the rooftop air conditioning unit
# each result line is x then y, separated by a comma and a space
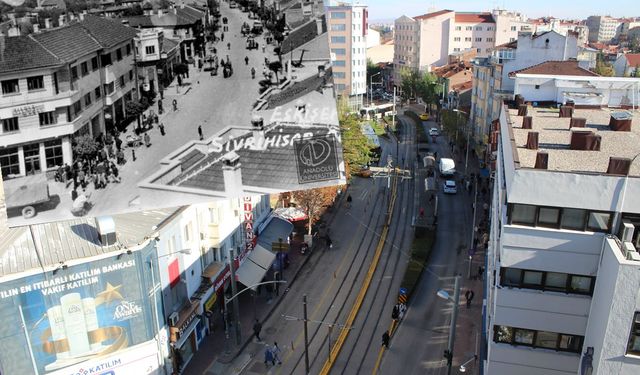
627, 231
635, 256
627, 249
173, 319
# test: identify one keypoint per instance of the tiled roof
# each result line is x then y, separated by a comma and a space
298, 89
560, 68
302, 35
169, 44
448, 70
633, 59
256, 166
433, 14
181, 17
474, 18
107, 32
60, 4
68, 43
22, 52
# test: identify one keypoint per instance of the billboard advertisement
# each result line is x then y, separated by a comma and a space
80, 313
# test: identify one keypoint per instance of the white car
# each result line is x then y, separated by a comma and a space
450, 187
434, 132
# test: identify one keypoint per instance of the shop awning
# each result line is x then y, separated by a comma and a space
290, 213
255, 266
275, 229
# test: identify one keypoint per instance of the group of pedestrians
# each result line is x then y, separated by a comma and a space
271, 353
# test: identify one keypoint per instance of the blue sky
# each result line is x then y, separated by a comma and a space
391, 9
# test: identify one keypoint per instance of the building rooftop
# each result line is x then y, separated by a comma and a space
633, 59
432, 14
559, 68
22, 52
554, 137
464, 17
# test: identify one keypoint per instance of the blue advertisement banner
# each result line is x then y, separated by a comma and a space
77, 314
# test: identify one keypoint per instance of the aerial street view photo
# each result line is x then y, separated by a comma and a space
125, 108
308, 187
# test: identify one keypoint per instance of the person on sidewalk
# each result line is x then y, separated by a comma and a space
268, 356
385, 339
147, 139
469, 296
276, 351
246, 60
200, 132
161, 127
480, 272
329, 242
395, 313
257, 327
349, 201
403, 309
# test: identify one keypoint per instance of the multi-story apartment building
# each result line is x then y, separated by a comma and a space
491, 81
562, 290
603, 28
545, 24
425, 42
157, 57
348, 25
60, 83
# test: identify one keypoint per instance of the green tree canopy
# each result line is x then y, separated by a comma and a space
355, 145
84, 147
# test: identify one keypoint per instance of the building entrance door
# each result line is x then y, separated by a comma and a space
32, 158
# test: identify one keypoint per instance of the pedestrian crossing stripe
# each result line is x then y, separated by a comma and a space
402, 298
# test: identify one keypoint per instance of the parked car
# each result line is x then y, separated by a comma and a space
434, 132
447, 167
424, 116
449, 187
233, 5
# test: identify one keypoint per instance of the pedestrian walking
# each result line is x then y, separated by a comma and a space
469, 296
200, 132
385, 339
268, 356
147, 139
229, 45
175, 105
402, 310
421, 211
349, 201
480, 272
395, 313
329, 243
133, 155
257, 327
161, 127
246, 60
276, 353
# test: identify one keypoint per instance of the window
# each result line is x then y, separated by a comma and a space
599, 221
94, 63
48, 118
122, 81
523, 214
53, 153
478, 28
532, 278
131, 75
339, 74
467, 39
213, 215
119, 54
339, 51
547, 281
74, 73
109, 88
10, 86
456, 39
77, 108
338, 27
10, 125
549, 217
87, 100
340, 15
489, 28
339, 39
469, 28
478, 39
105, 59
458, 28
35, 83
573, 218
513, 28
456, 50
537, 87
340, 87
556, 281
98, 92
150, 50
187, 232
84, 69
633, 347
489, 39
511, 277
581, 284
537, 339
9, 161
339, 63
128, 49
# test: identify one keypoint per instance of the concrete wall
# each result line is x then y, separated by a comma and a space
509, 360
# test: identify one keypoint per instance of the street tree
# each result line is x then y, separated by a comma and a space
429, 90
356, 147
275, 66
84, 147
372, 69
410, 84
603, 67
312, 201
454, 125
135, 108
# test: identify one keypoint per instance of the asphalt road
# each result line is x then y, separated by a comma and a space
421, 338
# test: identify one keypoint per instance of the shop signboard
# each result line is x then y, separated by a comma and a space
74, 315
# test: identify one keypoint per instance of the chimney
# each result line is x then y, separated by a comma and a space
47, 23
620, 121
619, 166
577, 122
160, 12
532, 141
584, 139
321, 71
175, 10
125, 22
319, 25
106, 228
61, 20
527, 122
81, 15
36, 28
566, 111
72, 16
542, 160
14, 30
522, 110
257, 124
232, 174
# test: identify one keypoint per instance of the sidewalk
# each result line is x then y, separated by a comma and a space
214, 357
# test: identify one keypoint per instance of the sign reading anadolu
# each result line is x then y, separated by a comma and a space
317, 159
79, 314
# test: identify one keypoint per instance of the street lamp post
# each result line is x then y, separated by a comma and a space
454, 317
306, 335
371, 87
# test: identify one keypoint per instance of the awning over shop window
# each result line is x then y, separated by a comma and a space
255, 266
275, 229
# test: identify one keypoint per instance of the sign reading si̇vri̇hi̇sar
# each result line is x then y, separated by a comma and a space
316, 159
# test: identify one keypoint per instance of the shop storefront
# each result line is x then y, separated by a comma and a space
95, 315
183, 329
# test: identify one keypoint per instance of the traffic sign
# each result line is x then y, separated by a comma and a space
403, 291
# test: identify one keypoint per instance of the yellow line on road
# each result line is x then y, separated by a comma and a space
335, 351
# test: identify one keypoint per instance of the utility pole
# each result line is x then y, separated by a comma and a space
306, 335
454, 318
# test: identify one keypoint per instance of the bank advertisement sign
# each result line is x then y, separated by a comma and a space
79, 314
